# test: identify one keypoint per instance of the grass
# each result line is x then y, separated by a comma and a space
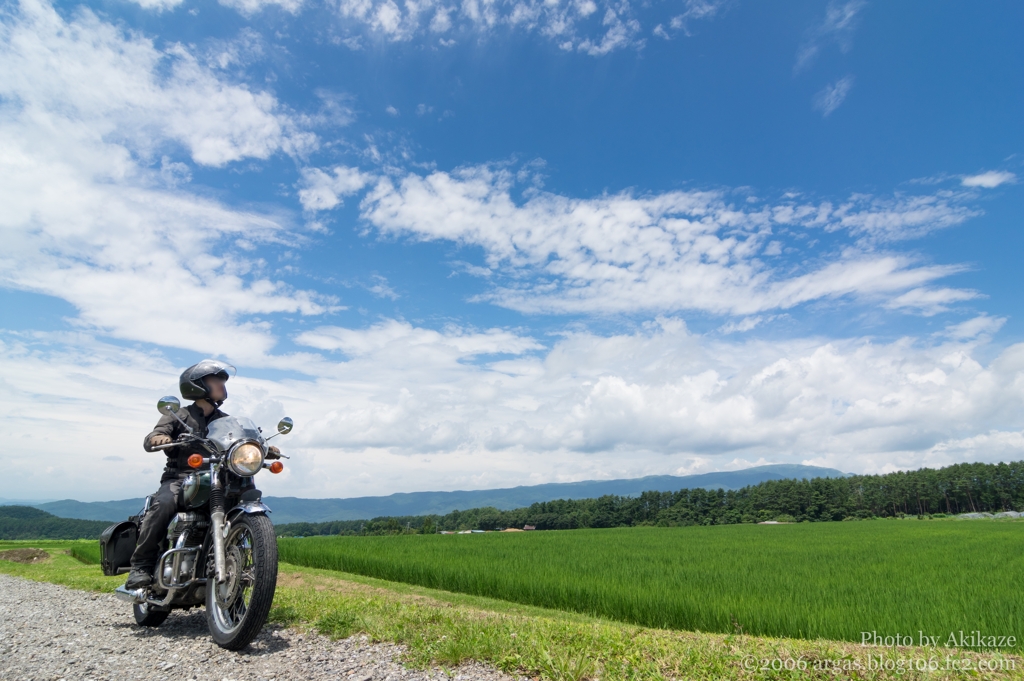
808, 580
446, 628
63, 567
88, 553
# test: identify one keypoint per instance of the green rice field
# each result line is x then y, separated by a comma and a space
807, 580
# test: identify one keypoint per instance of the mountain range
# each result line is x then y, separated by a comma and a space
295, 509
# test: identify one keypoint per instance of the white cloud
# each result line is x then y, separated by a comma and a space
837, 26
245, 7
882, 219
323, 191
829, 99
978, 327
574, 25
381, 288
743, 325
335, 110
392, 111
158, 5
245, 49
620, 33
694, 10
101, 131
989, 180
250, 7
412, 408
402, 342
89, 79
86, 219
929, 301
674, 251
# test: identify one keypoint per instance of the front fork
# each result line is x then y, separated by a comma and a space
217, 524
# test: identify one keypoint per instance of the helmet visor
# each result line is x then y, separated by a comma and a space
210, 367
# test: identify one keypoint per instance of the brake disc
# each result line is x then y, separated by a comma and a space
228, 592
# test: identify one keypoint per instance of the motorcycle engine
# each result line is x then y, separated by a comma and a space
185, 530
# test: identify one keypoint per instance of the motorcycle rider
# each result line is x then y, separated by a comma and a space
206, 384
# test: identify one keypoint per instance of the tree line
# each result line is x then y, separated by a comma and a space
927, 492
25, 522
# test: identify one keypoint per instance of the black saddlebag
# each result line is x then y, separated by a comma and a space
117, 543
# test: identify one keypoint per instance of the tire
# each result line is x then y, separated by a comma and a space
146, 616
238, 609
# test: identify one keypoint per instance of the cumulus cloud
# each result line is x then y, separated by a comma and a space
101, 133
829, 99
680, 250
322, 190
87, 219
399, 407
96, 82
989, 180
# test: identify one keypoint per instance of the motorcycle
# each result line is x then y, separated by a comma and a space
222, 551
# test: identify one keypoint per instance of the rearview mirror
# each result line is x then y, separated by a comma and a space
285, 426
168, 405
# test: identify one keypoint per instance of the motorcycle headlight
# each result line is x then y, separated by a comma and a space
246, 459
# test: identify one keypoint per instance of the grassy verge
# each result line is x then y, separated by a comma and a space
445, 629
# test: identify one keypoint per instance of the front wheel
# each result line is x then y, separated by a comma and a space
146, 616
237, 609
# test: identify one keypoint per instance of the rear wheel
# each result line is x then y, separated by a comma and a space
237, 609
146, 616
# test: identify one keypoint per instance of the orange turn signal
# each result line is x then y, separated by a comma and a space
276, 467
195, 461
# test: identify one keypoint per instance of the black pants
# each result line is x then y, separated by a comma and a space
154, 525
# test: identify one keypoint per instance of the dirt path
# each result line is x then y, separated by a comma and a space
48, 631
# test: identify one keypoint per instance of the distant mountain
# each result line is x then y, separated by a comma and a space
293, 509
93, 510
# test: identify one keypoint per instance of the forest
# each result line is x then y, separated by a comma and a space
926, 492
25, 522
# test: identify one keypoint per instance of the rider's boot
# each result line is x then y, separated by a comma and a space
140, 576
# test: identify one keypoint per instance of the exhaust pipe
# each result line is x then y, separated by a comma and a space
135, 597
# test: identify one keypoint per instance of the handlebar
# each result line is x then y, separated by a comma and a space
167, 446
188, 441
183, 440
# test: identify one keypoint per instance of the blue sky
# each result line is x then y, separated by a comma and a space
476, 244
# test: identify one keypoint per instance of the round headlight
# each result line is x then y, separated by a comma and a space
246, 459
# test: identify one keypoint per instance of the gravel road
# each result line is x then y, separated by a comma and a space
52, 632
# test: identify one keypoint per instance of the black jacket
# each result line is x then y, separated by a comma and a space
177, 457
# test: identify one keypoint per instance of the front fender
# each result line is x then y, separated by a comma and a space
248, 508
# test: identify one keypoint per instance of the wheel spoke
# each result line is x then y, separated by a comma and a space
245, 570
236, 616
